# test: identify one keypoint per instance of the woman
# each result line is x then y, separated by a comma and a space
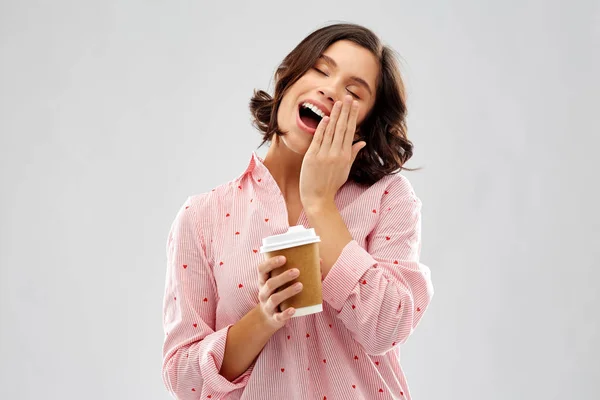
337, 129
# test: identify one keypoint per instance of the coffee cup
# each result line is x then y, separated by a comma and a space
300, 246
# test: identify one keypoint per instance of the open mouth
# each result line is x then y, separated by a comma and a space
310, 115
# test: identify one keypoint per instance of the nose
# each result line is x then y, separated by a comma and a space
329, 94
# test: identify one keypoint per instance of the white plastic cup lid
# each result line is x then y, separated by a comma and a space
295, 236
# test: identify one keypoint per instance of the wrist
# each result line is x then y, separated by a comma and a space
319, 207
265, 323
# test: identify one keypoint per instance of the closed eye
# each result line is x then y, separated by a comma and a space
323, 73
354, 95
318, 70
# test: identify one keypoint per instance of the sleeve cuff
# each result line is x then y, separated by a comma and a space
212, 360
345, 274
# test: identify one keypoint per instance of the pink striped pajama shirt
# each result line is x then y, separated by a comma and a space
373, 297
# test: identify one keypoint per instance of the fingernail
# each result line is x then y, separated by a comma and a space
281, 259
294, 272
291, 311
297, 286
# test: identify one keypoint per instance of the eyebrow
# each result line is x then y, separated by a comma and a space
356, 79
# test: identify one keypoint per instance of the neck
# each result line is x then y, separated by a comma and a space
284, 165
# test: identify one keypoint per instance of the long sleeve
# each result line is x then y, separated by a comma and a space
381, 292
193, 350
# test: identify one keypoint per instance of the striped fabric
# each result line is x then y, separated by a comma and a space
374, 295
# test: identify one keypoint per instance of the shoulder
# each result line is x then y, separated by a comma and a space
392, 188
204, 208
398, 186
206, 203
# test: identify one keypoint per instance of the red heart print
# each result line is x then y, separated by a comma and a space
256, 251
186, 207
418, 308
184, 266
389, 209
331, 326
380, 390
393, 344
175, 298
356, 357
237, 233
221, 263
401, 393
260, 179
289, 337
209, 397
239, 187
308, 369
386, 192
387, 238
187, 355
376, 362
353, 386
195, 325
282, 369
266, 219
251, 200
193, 390
308, 335
395, 261
240, 286
364, 282
324, 361
205, 300
324, 397
227, 215
353, 306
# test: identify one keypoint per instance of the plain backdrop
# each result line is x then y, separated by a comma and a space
113, 112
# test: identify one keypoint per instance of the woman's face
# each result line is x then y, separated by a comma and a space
344, 68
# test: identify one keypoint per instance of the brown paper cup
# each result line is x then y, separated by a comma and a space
304, 257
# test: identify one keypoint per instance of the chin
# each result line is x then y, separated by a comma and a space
295, 142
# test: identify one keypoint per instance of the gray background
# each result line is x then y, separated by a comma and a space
112, 113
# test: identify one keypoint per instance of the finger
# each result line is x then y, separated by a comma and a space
341, 124
319, 133
285, 315
271, 285
351, 128
333, 117
265, 268
276, 299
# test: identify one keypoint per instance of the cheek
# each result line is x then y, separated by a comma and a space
362, 113
288, 102
361, 117
285, 109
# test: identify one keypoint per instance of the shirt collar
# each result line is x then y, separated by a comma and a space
255, 165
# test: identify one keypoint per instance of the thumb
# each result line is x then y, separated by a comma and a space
356, 148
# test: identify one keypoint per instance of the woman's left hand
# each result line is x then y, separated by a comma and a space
328, 160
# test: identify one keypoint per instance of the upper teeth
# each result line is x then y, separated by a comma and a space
314, 109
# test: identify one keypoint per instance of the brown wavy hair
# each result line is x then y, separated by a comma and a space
384, 127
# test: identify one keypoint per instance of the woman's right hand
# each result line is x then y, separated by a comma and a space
269, 297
